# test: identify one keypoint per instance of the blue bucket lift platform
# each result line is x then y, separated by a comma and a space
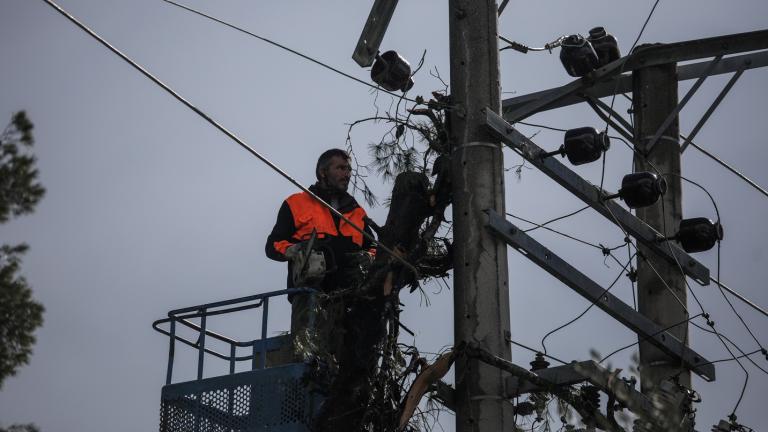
273, 396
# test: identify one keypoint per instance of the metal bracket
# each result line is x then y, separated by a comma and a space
617, 122
592, 196
373, 32
587, 288
646, 148
712, 107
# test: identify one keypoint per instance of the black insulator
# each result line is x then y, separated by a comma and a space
584, 145
591, 396
640, 189
539, 363
605, 45
578, 56
392, 72
698, 234
524, 409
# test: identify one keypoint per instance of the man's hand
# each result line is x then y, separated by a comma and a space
294, 251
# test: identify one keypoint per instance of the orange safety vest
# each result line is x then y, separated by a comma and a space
309, 214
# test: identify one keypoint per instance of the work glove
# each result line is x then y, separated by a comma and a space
294, 251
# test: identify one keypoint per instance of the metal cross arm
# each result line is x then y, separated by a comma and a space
578, 372
593, 196
587, 288
373, 32
609, 80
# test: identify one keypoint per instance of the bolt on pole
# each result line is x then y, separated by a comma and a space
481, 294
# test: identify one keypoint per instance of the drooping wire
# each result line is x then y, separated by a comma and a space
584, 242
716, 280
592, 304
733, 344
730, 359
283, 47
648, 337
607, 251
524, 48
226, 132
685, 280
678, 265
701, 306
565, 216
717, 212
538, 352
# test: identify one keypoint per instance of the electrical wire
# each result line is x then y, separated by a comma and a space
538, 352
701, 306
680, 267
584, 242
565, 216
678, 264
524, 48
593, 303
720, 337
738, 348
717, 212
283, 47
740, 297
604, 249
730, 359
226, 132
729, 168
542, 126
621, 70
650, 336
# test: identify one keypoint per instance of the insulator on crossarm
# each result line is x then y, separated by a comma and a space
539, 363
582, 145
392, 72
640, 189
698, 234
578, 56
605, 45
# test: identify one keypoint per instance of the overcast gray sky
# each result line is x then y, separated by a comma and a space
149, 208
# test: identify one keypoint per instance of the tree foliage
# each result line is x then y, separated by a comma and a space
30, 427
20, 315
20, 191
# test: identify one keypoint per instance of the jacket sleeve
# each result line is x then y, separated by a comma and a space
281, 237
368, 245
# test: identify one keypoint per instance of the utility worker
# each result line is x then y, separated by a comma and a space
346, 251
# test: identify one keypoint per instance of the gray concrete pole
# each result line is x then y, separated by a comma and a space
481, 295
655, 97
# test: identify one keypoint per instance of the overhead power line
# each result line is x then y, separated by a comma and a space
228, 133
740, 297
290, 50
639, 35
729, 168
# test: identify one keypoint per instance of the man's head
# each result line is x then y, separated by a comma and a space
333, 169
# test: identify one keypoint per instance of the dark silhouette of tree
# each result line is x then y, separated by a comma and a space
20, 315
21, 428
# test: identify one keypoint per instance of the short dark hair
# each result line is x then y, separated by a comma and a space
324, 161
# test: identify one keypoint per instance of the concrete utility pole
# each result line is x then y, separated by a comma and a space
481, 295
655, 97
